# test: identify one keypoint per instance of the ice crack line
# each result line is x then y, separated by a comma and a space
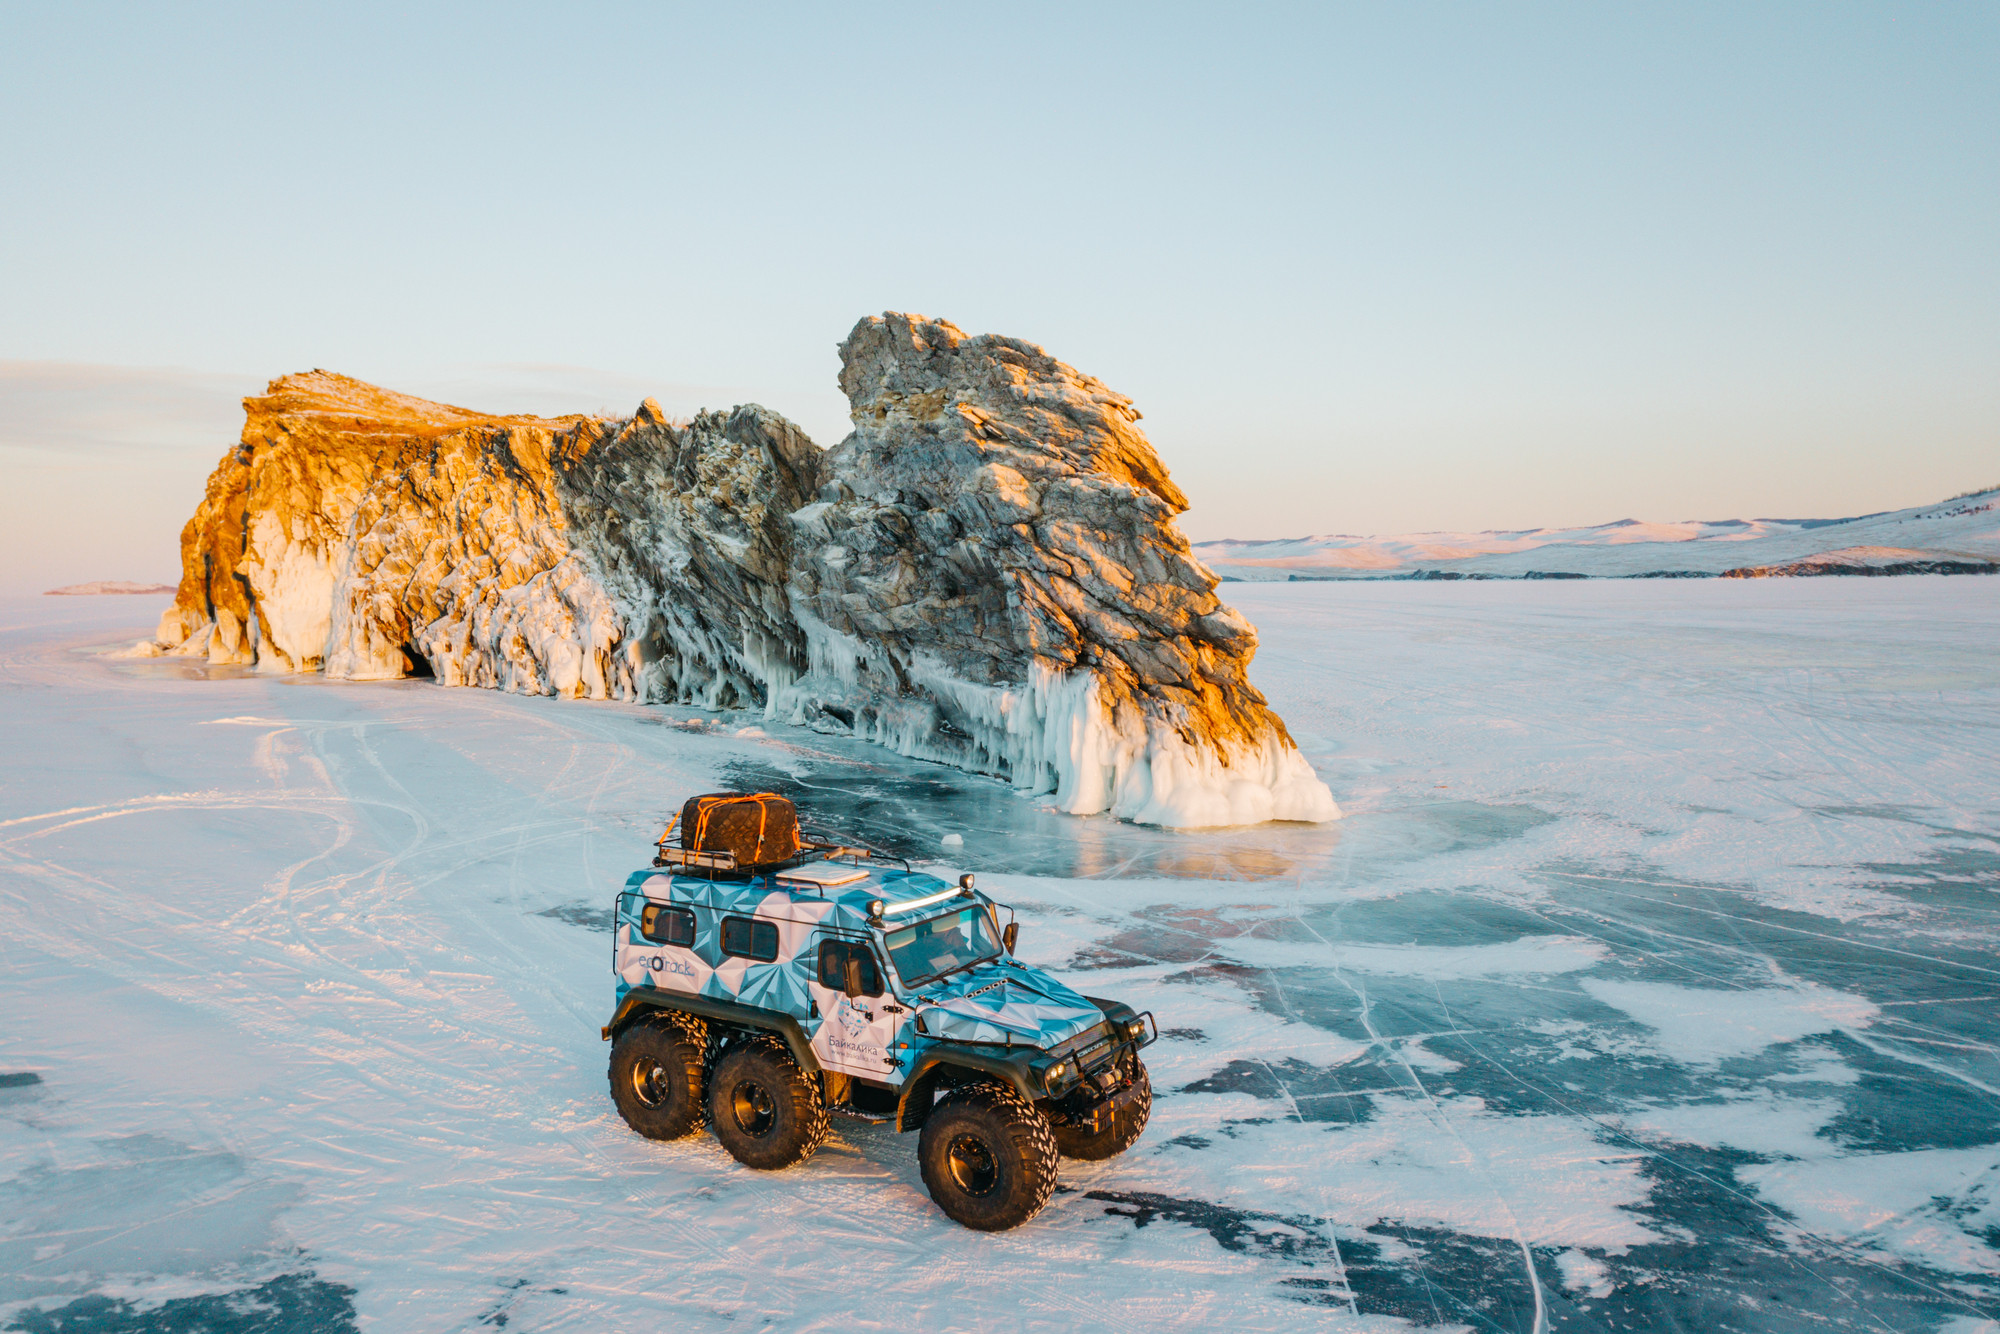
1769, 926
1541, 1325
1339, 1261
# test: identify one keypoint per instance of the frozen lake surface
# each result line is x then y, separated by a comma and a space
1649, 984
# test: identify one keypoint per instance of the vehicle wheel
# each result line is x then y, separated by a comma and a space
1094, 1146
988, 1157
656, 1078
766, 1111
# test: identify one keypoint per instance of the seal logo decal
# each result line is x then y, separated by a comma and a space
850, 1018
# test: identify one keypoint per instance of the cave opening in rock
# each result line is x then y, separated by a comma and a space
415, 663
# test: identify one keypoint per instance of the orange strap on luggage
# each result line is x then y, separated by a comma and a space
701, 820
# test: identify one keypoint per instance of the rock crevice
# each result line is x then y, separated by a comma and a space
986, 572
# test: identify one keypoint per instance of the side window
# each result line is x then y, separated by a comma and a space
871, 975
833, 959
667, 926
748, 938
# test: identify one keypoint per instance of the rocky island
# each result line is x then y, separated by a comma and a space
986, 573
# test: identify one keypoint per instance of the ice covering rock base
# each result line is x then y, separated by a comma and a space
985, 573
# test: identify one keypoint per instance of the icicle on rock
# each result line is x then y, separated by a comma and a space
992, 577
985, 573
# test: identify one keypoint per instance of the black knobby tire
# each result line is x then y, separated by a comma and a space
1095, 1146
988, 1157
766, 1111
656, 1077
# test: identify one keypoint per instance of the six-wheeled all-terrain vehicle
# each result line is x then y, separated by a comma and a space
766, 979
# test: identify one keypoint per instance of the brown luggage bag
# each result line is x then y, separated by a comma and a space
755, 828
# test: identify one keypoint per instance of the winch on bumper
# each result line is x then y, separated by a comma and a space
1089, 1079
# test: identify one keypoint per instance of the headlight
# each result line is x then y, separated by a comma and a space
1055, 1073
1135, 1028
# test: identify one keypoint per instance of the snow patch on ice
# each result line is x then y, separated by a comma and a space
1937, 1207
1452, 1163
1969, 1324
1702, 1026
1583, 1273
1759, 1122
1525, 956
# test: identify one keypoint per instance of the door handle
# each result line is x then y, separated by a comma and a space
893, 1009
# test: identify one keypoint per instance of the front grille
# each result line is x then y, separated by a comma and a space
1090, 1048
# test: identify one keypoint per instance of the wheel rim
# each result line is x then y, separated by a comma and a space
752, 1106
973, 1168
649, 1083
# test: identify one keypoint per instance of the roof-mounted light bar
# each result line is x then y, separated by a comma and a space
880, 909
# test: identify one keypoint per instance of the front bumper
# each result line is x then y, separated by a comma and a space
1094, 1117
1102, 1075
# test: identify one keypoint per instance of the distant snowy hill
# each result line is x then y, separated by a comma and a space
1957, 536
107, 586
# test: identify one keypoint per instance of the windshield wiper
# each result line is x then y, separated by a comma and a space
984, 958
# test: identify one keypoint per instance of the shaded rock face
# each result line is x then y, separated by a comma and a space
688, 532
985, 573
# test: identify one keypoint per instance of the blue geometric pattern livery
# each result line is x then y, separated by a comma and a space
1010, 1004
997, 1000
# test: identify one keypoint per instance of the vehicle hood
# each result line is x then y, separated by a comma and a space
1008, 1003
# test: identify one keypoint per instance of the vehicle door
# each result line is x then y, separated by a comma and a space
858, 1015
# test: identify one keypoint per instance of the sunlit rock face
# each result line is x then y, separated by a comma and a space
985, 573
992, 577
372, 535
350, 519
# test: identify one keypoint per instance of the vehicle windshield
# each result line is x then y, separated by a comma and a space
927, 950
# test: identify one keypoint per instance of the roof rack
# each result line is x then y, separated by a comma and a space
833, 846
689, 860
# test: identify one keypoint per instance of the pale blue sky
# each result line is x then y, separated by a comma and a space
1366, 269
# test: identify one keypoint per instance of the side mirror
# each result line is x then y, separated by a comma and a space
1009, 936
